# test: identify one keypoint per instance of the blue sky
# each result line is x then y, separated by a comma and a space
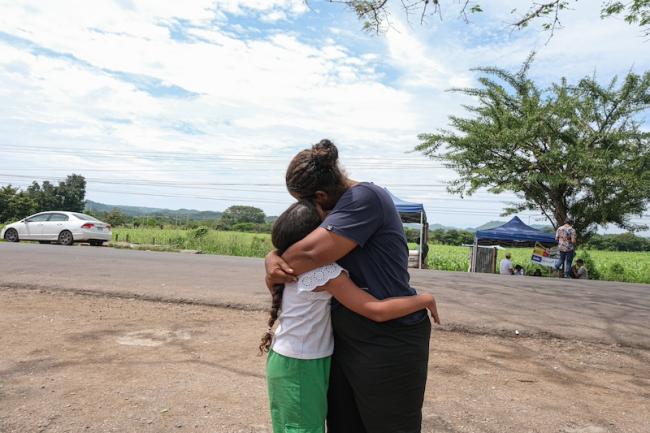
201, 104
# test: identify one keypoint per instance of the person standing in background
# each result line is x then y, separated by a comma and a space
566, 239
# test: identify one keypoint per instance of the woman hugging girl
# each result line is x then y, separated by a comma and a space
298, 363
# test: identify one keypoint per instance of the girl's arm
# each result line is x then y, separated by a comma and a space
319, 248
363, 303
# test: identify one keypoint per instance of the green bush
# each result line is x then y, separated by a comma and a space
199, 232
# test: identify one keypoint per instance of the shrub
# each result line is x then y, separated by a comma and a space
199, 232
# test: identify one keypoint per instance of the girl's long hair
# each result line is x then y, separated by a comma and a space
300, 219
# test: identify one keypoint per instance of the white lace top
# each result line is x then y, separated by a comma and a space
305, 330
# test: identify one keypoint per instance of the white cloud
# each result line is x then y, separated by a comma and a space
259, 91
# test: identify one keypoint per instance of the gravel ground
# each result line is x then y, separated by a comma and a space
83, 363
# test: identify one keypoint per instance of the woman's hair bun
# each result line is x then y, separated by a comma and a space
325, 153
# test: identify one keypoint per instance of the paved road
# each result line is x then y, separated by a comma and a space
608, 312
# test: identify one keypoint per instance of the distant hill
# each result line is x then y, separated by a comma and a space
488, 225
152, 211
544, 228
440, 227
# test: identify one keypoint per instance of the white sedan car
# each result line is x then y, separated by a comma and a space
62, 227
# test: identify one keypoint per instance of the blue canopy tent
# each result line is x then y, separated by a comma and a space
412, 213
407, 210
514, 233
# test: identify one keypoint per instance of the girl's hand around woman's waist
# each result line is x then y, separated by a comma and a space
433, 309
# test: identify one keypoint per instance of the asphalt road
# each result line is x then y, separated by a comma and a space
596, 311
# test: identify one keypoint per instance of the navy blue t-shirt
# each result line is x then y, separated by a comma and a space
367, 215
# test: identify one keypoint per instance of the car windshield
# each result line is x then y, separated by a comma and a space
84, 217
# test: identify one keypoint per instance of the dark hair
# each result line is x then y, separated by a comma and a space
569, 221
580, 261
316, 169
518, 267
300, 219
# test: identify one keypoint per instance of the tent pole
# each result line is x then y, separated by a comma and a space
421, 240
472, 267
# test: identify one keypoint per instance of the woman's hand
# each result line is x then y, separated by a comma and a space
433, 309
277, 271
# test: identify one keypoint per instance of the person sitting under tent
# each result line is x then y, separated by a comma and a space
505, 267
519, 270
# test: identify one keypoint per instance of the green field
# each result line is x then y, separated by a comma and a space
207, 241
610, 265
632, 267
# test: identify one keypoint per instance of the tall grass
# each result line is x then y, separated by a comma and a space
633, 267
202, 239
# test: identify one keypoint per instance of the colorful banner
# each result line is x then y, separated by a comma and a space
545, 256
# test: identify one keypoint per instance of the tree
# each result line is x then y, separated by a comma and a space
68, 195
242, 214
6, 194
22, 205
115, 217
568, 150
374, 14
46, 196
73, 193
619, 242
15, 204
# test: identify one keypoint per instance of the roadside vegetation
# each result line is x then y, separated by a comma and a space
623, 257
632, 267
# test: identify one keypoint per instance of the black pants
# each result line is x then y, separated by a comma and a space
378, 375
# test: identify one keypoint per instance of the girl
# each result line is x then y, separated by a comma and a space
378, 371
298, 364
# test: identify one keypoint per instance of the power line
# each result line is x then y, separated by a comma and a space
431, 210
231, 187
174, 182
441, 210
216, 186
223, 155
267, 161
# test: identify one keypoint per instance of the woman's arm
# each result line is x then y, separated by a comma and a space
357, 216
319, 248
363, 303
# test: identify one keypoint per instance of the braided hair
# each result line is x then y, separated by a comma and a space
300, 219
316, 169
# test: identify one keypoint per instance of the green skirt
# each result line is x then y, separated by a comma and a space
297, 393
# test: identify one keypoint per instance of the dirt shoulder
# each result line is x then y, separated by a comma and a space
73, 363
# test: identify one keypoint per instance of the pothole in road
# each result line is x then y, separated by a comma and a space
152, 337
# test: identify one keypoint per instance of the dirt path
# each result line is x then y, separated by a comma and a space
79, 363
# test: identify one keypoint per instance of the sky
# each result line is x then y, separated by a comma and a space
201, 104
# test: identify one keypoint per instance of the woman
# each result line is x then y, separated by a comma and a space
379, 370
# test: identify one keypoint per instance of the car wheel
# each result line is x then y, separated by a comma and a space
44, 242
11, 235
65, 238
